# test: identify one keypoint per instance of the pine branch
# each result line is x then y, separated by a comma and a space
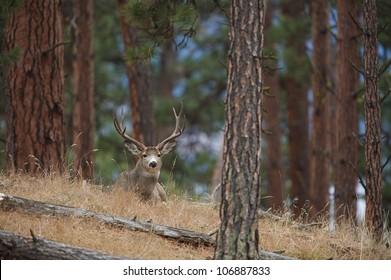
357, 137
385, 96
381, 29
356, 67
385, 164
56, 45
361, 180
384, 67
356, 23
218, 5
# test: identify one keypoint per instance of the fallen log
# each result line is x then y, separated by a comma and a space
12, 203
18, 247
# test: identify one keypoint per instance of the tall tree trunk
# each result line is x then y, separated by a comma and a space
83, 89
297, 90
373, 168
345, 178
320, 79
139, 76
241, 181
164, 86
274, 167
35, 126
166, 71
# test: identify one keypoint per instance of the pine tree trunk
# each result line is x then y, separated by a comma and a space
241, 182
83, 89
275, 182
345, 178
139, 76
166, 71
374, 214
320, 138
297, 105
164, 86
35, 126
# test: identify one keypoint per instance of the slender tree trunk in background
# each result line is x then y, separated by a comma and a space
69, 57
241, 181
274, 167
345, 178
4, 88
373, 168
166, 71
320, 79
83, 89
298, 123
164, 87
139, 76
35, 126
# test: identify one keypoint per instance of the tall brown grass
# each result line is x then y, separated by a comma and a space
316, 242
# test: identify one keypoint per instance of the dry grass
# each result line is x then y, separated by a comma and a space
346, 242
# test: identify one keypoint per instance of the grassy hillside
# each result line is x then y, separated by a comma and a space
346, 242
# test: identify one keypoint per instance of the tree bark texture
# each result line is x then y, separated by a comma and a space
139, 76
320, 80
35, 126
275, 172
18, 247
297, 103
241, 182
83, 89
373, 168
345, 178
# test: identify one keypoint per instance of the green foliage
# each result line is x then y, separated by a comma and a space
160, 21
144, 52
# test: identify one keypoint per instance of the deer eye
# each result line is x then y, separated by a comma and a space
145, 155
159, 155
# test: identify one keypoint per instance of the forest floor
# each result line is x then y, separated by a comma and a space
309, 242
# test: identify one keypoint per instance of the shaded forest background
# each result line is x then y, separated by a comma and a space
191, 68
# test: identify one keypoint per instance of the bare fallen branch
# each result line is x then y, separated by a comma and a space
18, 247
9, 203
12, 203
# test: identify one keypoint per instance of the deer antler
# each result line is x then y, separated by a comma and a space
121, 130
177, 131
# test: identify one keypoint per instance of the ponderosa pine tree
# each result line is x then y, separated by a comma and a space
373, 167
35, 122
320, 132
347, 78
139, 78
273, 153
241, 181
293, 15
83, 89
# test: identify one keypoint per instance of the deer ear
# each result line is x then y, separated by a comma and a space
132, 148
168, 147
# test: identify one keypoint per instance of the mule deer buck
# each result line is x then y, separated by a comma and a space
143, 179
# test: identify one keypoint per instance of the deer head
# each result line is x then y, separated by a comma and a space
144, 177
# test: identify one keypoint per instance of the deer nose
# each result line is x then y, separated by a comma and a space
153, 164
